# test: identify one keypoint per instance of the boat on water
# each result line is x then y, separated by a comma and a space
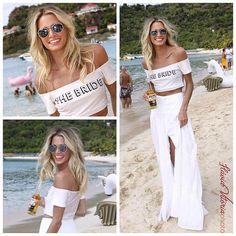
128, 57
26, 57
113, 36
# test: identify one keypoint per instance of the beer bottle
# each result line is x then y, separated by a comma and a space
33, 206
151, 97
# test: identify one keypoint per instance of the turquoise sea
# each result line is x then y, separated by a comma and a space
134, 68
20, 180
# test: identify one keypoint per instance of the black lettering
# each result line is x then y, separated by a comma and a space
69, 96
56, 101
94, 85
77, 92
100, 82
84, 89
89, 86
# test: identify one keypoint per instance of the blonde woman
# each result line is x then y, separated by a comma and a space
168, 70
70, 77
61, 160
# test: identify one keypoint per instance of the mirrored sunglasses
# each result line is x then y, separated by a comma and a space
56, 28
161, 32
61, 147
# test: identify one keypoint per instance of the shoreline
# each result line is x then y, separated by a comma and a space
86, 39
32, 225
98, 158
216, 51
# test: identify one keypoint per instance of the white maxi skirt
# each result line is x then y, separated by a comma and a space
67, 226
182, 186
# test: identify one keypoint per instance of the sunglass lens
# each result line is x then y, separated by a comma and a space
154, 33
162, 31
52, 148
43, 33
57, 28
62, 147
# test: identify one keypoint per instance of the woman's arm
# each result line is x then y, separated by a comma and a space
100, 58
183, 118
112, 90
56, 113
181, 55
56, 220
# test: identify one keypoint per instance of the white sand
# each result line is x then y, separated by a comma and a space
92, 224
141, 191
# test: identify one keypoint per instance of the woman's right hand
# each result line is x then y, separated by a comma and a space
145, 96
40, 202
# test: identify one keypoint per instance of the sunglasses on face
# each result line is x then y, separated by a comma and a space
56, 28
161, 32
61, 147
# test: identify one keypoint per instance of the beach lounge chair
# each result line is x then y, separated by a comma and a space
106, 210
212, 83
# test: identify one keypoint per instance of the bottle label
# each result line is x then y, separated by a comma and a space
33, 206
152, 100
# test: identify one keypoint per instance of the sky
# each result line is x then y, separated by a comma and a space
8, 8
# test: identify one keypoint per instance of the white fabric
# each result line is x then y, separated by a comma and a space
67, 226
110, 184
62, 198
169, 77
182, 186
81, 98
228, 54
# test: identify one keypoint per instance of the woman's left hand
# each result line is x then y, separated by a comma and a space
183, 118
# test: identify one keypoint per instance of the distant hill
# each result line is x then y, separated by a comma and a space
27, 136
199, 25
18, 42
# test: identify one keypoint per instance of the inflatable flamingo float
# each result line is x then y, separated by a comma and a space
23, 79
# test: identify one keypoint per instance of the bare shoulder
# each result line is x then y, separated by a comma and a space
40, 86
144, 64
100, 55
63, 180
180, 54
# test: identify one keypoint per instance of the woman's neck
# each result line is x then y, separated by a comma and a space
57, 60
63, 167
162, 51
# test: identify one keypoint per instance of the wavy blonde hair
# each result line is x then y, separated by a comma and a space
76, 56
76, 162
147, 48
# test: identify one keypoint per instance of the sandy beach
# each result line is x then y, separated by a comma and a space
211, 114
87, 224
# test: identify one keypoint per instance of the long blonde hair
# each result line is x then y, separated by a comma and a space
76, 162
147, 47
76, 56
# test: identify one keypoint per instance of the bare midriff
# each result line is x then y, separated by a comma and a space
103, 112
167, 93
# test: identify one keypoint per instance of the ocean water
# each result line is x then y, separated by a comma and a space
20, 180
32, 106
134, 68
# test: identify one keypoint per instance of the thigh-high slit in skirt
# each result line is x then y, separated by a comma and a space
182, 186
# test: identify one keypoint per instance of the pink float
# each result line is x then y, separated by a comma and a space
23, 79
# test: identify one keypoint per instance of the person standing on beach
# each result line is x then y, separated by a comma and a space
229, 57
71, 78
168, 70
223, 59
126, 87
61, 160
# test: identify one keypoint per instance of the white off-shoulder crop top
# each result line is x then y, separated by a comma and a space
81, 98
169, 77
62, 198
